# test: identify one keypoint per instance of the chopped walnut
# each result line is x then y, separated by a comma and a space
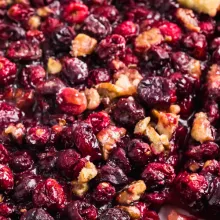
188, 18
83, 45
44, 11
202, 6
147, 39
117, 65
202, 129
93, 98
34, 22
167, 123
54, 66
141, 126
175, 109
213, 77
108, 138
87, 173
131, 193
79, 189
133, 211
194, 68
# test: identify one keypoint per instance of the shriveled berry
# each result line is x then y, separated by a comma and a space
114, 214
6, 178
4, 155
11, 32
34, 214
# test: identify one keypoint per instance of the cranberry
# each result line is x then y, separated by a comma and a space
111, 47
7, 72
21, 161
4, 155
86, 141
111, 174
81, 210
49, 194
151, 215
11, 32
137, 13
216, 55
212, 109
128, 112
6, 178
157, 175
36, 214
66, 161
38, 136
41, 3
23, 50
6, 209
97, 26
99, 121
114, 214
50, 25
32, 75
47, 165
35, 36
139, 152
75, 70
71, 101
75, 12
156, 91
81, 163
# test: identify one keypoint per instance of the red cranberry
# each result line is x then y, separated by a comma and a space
75, 70
32, 75
137, 13
49, 194
23, 50
114, 214
21, 161
6, 209
157, 175
81, 210
212, 110
99, 121
11, 32
127, 29
81, 163
75, 12
86, 141
35, 36
156, 91
71, 101
6, 178
41, 3
38, 136
97, 26
50, 25
139, 152
111, 47
7, 72
4, 155
128, 112
66, 161
36, 214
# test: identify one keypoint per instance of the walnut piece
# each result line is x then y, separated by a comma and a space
83, 45
201, 129
79, 189
44, 11
87, 173
209, 7
147, 39
175, 109
17, 132
194, 68
188, 18
34, 22
54, 66
133, 211
131, 193
108, 138
213, 77
93, 98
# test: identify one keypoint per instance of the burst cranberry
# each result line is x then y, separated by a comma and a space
23, 50
81, 210
111, 47
38, 136
49, 194
66, 161
157, 175
7, 72
139, 152
32, 75
75, 12
36, 214
127, 29
97, 26
6, 178
114, 214
21, 161
156, 91
99, 121
71, 101
128, 112
4, 155
75, 70
86, 141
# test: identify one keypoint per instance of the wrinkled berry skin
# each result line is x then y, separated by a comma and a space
75, 70
66, 161
11, 32
6, 178
49, 194
114, 214
86, 141
128, 112
80, 210
4, 155
21, 161
157, 175
34, 214
156, 91
7, 72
